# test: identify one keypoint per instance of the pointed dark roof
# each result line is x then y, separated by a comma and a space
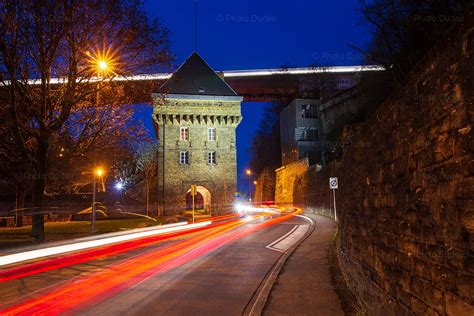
196, 77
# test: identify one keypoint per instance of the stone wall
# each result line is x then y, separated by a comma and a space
285, 180
406, 190
355, 103
319, 201
265, 188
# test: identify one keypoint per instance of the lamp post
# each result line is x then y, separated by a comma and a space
255, 190
99, 172
248, 172
103, 63
101, 68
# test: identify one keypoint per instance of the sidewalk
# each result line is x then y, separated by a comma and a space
304, 285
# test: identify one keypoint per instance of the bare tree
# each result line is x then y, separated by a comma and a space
403, 31
84, 44
265, 147
147, 164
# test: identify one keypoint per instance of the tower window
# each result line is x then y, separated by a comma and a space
211, 134
211, 158
183, 133
184, 157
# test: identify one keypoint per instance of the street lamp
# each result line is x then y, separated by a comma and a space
248, 172
97, 173
255, 190
103, 62
119, 186
101, 70
102, 65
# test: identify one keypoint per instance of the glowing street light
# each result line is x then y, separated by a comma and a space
103, 61
119, 186
102, 64
255, 182
97, 173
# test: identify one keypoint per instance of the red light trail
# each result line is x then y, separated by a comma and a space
96, 287
89, 255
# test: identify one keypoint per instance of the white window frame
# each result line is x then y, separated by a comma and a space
184, 133
211, 158
183, 157
211, 131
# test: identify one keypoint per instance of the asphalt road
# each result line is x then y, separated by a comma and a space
215, 271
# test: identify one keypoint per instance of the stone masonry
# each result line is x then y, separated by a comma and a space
406, 190
285, 179
197, 116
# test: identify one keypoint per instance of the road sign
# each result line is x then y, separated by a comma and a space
333, 185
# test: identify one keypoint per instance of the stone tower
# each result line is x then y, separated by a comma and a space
195, 114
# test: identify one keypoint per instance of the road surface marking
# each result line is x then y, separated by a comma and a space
264, 291
270, 245
306, 218
285, 242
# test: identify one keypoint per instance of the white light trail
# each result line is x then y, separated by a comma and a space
45, 252
226, 73
246, 209
300, 71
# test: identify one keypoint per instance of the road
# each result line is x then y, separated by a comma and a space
213, 270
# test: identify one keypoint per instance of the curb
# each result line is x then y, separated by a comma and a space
259, 300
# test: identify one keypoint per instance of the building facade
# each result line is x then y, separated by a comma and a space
301, 131
354, 104
196, 114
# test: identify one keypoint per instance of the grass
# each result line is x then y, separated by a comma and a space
19, 236
200, 211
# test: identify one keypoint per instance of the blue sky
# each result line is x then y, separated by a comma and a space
263, 33
248, 34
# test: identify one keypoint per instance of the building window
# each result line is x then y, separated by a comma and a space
306, 134
312, 135
211, 134
308, 111
183, 133
184, 157
300, 134
211, 157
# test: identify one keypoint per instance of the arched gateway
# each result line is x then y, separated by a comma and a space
195, 114
202, 200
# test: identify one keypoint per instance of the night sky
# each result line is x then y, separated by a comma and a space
254, 34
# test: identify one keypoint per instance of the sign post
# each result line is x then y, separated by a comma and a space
193, 194
333, 185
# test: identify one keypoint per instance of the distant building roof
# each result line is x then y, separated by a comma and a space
196, 77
